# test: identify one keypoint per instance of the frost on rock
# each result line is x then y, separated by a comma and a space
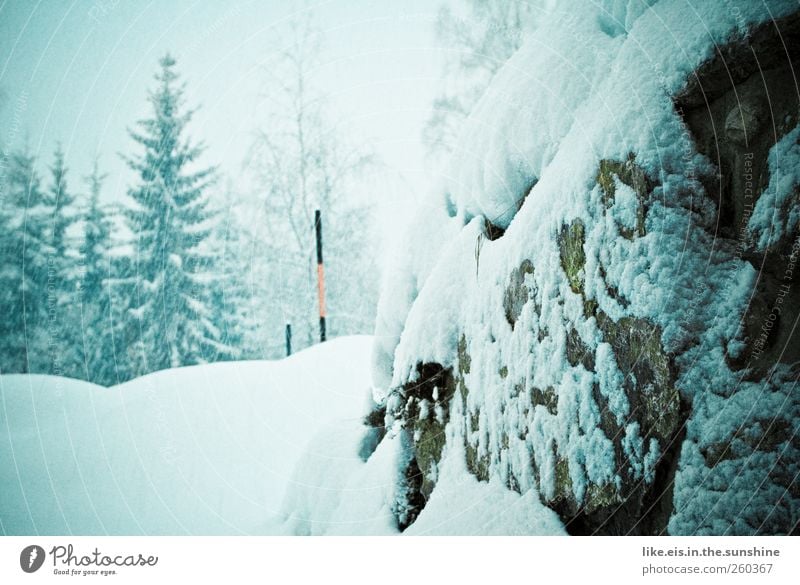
621, 346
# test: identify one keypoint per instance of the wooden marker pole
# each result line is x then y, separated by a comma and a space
320, 275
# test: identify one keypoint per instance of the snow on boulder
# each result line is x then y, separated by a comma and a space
515, 129
611, 324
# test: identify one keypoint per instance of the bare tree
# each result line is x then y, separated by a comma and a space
301, 162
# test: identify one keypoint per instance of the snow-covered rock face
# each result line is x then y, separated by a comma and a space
625, 348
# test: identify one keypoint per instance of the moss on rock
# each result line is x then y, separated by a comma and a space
632, 175
599, 497
764, 435
429, 440
570, 245
623, 505
578, 352
648, 380
477, 465
547, 398
563, 481
424, 412
464, 359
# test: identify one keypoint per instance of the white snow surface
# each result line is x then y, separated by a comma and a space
197, 450
776, 213
259, 447
461, 504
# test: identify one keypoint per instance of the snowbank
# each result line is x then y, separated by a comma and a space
230, 448
199, 450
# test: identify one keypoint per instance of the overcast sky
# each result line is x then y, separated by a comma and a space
77, 72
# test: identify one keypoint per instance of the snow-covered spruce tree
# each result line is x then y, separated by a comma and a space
63, 316
23, 273
170, 222
62, 213
96, 341
230, 305
124, 331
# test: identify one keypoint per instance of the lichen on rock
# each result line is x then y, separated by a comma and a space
633, 176
573, 258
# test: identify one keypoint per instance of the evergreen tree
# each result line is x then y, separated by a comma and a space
97, 342
63, 317
61, 203
170, 220
125, 332
96, 238
23, 273
229, 299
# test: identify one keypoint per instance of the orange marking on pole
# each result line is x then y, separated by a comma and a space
321, 289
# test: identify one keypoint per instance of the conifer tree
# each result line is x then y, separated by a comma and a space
230, 302
61, 204
97, 340
171, 224
23, 272
63, 315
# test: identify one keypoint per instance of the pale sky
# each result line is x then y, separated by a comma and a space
78, 72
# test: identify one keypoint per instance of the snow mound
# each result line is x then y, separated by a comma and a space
229, 448
515, 130
198, 450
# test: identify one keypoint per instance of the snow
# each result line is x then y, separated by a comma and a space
774, 215
590, 85
280, 447
410, 265
608, 63
617, 16
434, 316
462, 505
205, 449
515, 130
259, 447
334, 491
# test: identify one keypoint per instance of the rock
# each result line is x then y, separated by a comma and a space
743, 120
573, 258
743, 90
632, 175
423, 411
517, 292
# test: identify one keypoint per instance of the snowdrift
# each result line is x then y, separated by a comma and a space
230, 448
199, 450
